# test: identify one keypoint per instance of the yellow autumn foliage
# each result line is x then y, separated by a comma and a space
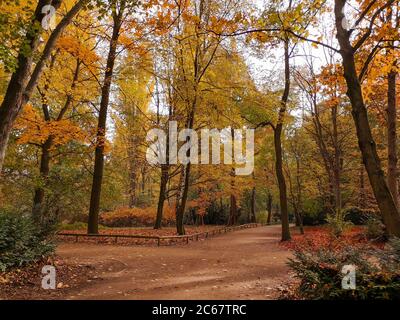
35, 130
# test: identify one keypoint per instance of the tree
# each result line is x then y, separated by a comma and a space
23, 79
118, 13
366, 141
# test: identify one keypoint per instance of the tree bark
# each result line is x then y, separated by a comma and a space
133, 170
180, 211
44, 173
132, 185
162, 195
269, 208
94, 209
164, 173
326, 157
337, 164
392, 137
232, 210
278, 150
253, 206
361, 196
299, 205
366, 142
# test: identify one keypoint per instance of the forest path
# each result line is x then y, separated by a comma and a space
246, 264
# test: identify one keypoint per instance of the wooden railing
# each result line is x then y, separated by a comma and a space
160, 239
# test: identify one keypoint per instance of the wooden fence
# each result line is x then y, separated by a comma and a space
160, 239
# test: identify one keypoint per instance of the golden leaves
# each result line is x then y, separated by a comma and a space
35, 130
78, 50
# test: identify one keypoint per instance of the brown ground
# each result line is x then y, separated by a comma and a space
245, 264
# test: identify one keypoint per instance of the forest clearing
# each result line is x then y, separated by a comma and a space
199, 150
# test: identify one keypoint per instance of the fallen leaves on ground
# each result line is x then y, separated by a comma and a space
26, 282
322, 237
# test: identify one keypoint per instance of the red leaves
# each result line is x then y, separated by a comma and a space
321, 237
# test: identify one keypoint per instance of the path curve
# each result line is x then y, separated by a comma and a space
246, 264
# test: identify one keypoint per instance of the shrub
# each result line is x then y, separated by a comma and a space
21, 242
358, 216
319, 271
338, 225
136, 217
262, 217
375, 229
314, 219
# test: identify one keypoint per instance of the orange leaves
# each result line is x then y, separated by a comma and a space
201, 203
163, 4
35, 130
321, 237
145, 216
125, 41
135, 47
75, 48
332, 84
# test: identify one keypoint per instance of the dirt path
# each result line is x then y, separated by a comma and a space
247, 264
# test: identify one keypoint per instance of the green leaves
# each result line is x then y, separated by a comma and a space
21, 241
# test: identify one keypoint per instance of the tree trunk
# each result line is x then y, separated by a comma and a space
299, 205
326, 157
269, 208
162, 195
253, 206
101, 129
164, 174
133, 171
232, 211
337, 164
180, 212
12, 102
132, 186
299, 219
44, 173
361, 196
366, 142
281, 183
392, 137
185, 176
278, 150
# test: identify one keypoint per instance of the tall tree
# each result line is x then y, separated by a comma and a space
366, 141
118, 8
393, 20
